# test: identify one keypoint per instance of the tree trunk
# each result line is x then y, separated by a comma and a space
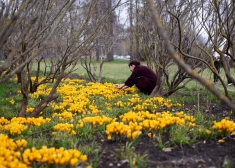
24, 92
137, 39
110, 30
43, 104
131, 30
157, 91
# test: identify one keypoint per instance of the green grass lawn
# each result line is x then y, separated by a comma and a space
119, 70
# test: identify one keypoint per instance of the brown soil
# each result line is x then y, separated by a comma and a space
202, 154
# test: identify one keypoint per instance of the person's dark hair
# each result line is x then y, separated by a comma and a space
134, 62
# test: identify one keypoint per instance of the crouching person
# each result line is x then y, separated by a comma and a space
142, 77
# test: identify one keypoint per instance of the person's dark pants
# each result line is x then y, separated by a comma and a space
145, 85
217, 65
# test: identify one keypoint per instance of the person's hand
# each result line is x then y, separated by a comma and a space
121, 87
117, 86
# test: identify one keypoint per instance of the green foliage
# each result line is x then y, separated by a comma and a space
8, 89
64, 139
8, 94
128, 152
228, 162
92, 150
124, 151
85, 133
39, 139
159, 142
47, 112
138, 160
181, 136
8, 112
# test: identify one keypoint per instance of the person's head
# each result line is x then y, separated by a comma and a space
133, 64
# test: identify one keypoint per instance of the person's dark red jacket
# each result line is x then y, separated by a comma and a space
143, 78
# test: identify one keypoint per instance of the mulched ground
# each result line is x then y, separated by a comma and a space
203, 154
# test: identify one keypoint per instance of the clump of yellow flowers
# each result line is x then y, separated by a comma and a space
97, 120
13, 154
10, 152
63, 116
65, 127
134, 123
14, 128
19, 124
118, 129
53, 156
224, 126
29, 110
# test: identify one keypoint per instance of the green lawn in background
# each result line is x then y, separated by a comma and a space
118, 71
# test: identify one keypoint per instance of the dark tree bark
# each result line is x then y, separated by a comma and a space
131, 30
25, 93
